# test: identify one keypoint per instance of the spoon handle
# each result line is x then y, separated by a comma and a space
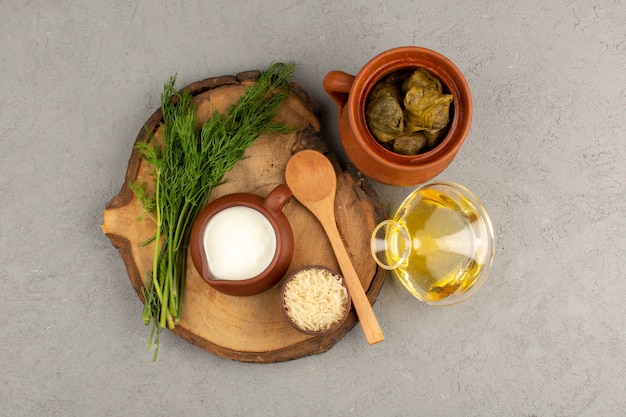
369, 323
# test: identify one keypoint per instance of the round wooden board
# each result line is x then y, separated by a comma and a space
252, 329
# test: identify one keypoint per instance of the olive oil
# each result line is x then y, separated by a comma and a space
435, 243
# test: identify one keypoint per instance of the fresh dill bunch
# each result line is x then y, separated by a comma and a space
187, 164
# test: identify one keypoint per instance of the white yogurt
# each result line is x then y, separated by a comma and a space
239, 242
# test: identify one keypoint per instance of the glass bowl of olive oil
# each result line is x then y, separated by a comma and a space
440, 243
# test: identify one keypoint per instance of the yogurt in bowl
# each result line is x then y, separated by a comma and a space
242, 244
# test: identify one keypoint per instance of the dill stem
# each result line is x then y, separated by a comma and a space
180, 225
157, 243
181, 284
152, 337
170, 322
164, 301
171, 271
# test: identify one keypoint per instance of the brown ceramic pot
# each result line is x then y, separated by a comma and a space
368, 156
271, 208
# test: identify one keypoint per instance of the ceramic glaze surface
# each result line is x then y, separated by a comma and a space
350, 94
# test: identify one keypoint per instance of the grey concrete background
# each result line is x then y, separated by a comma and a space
545, 336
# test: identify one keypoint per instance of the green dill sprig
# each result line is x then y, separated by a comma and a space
187, 164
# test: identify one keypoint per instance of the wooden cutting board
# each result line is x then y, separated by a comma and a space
252, 329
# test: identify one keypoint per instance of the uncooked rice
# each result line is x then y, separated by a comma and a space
315, 299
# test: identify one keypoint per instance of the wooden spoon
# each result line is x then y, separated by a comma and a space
313, 182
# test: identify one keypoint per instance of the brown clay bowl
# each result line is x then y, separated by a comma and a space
376, 162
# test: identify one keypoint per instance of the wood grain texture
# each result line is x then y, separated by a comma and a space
252, 329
